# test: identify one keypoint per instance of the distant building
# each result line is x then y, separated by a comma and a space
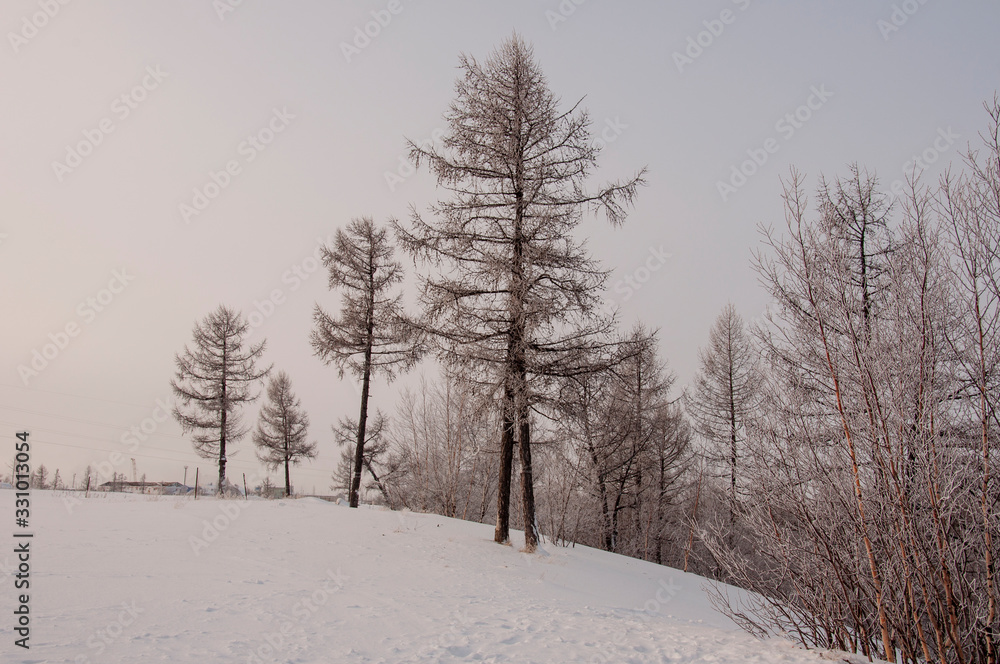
157, 488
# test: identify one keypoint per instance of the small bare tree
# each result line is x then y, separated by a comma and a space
282, 429
628, 444
437, 449
370, 335
345, 432
40, 478
723, 394
213, 381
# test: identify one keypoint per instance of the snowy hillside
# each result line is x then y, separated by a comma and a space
119, 578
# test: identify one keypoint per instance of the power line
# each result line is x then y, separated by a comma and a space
79, 420
68, 394
73, 434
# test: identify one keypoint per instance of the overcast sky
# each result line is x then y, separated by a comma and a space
116, 115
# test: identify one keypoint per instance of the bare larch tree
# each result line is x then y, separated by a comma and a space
440, 457
629, 441
345, 432
40, 478
370, 336
282, 429
723, 394
856, 214
213, 381
514, 296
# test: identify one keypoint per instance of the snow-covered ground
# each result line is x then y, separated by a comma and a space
120, 578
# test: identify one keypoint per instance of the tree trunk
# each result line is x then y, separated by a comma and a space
602, 494
502, 534
732, 440
615, 510
482, 507
222, 451
359, 449
288, 482
982, 379
527, 484
513, 385
518, 333
608, 538
223, 424
380, 485
659, 511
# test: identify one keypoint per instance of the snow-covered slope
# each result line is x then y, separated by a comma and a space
119, 578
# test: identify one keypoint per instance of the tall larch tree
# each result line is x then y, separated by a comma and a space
214, 380
370, 336
513, 295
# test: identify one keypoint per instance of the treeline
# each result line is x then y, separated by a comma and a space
866, 518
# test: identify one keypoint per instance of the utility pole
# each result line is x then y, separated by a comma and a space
185, 475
